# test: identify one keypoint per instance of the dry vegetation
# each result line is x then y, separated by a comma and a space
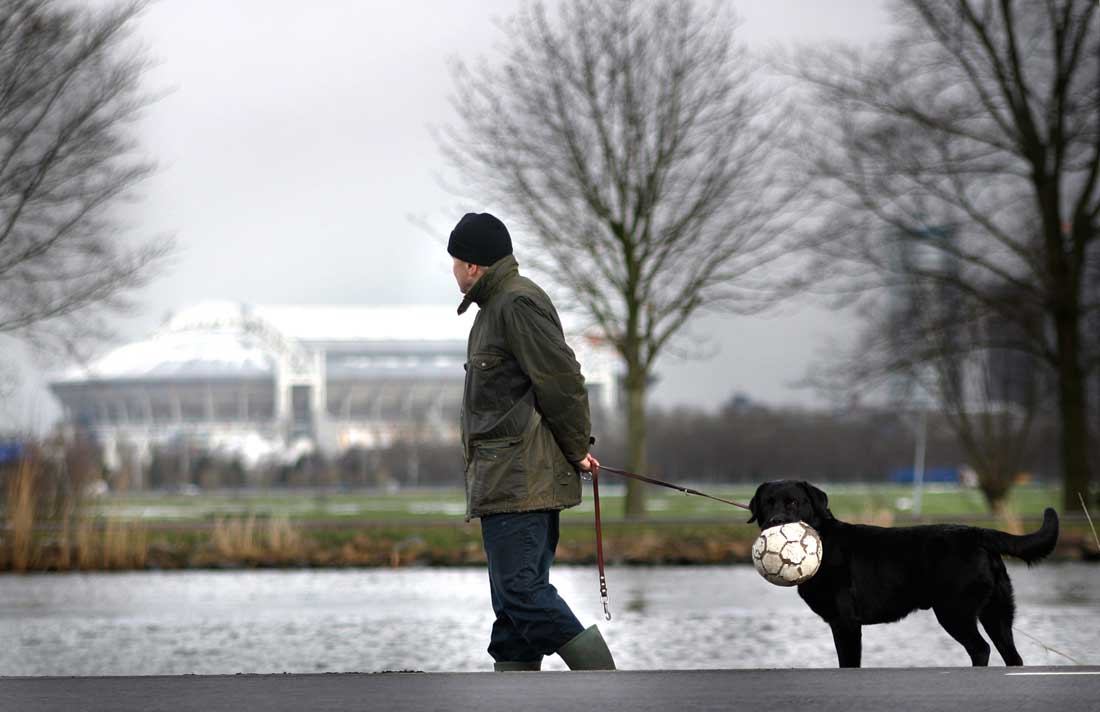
46, 526
49, 523
273, 540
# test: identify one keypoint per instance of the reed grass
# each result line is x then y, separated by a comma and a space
20, 515
77, 538
235, 538
1092, 526
243, 539
48, 525
284, 539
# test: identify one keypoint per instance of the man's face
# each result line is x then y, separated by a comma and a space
465, 274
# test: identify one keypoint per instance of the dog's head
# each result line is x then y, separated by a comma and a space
786, 501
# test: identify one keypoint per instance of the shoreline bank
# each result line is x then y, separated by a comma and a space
251, 544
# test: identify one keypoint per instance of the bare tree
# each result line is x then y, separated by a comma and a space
933, 337
633, 144
981, 118
69, 91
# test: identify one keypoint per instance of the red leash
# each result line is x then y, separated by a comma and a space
599, 527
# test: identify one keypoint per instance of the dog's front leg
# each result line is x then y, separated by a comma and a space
848, 639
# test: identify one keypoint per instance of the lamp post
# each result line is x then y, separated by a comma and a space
918, 462
926, 234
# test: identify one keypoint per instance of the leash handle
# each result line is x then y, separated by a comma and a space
599, 544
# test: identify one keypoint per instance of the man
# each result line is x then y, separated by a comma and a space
525, 435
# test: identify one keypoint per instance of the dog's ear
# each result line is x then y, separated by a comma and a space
752, 509
818, 500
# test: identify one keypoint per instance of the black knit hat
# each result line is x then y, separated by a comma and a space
480, 239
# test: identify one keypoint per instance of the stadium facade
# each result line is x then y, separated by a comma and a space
271, 383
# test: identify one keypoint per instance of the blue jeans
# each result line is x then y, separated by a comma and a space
532, 619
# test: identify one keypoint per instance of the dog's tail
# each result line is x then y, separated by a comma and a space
1029, 547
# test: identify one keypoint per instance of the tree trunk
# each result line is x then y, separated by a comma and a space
1006, 518
996, 479
635, 439
1073, 409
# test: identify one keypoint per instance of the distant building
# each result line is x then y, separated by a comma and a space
274, 382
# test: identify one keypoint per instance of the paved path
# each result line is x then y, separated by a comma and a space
1065, 689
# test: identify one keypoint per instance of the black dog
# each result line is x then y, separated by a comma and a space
874, 575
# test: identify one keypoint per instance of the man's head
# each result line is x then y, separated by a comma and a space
477, 241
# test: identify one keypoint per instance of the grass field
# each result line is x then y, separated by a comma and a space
846, 501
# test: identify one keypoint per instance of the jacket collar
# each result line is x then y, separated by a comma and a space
489, 284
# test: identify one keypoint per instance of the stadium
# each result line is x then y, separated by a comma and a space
272, 383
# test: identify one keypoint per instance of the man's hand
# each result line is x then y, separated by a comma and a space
589, 464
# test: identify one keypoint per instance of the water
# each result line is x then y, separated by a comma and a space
153, 623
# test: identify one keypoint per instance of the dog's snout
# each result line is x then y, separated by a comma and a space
773, 522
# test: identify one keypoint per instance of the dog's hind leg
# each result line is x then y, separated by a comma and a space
997, 617
963, 627
1000, 632
848, 639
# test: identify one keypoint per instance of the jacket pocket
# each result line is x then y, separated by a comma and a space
487, 389
485, 360
500, 477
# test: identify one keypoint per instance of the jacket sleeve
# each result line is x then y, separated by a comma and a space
538, 344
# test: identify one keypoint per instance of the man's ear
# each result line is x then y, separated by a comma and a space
818, 500
752, 509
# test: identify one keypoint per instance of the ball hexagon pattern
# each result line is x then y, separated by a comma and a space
788, 554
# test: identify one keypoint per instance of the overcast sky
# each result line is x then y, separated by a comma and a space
294, 142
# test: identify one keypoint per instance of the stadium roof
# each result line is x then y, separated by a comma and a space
231, 339
179, 355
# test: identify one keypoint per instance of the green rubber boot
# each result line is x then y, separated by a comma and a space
518, 666
587, 651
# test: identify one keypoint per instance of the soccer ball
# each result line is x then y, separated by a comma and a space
788, 554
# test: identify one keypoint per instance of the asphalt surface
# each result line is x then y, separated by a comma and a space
1065, 689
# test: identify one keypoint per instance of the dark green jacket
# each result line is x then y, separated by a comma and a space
525, 418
